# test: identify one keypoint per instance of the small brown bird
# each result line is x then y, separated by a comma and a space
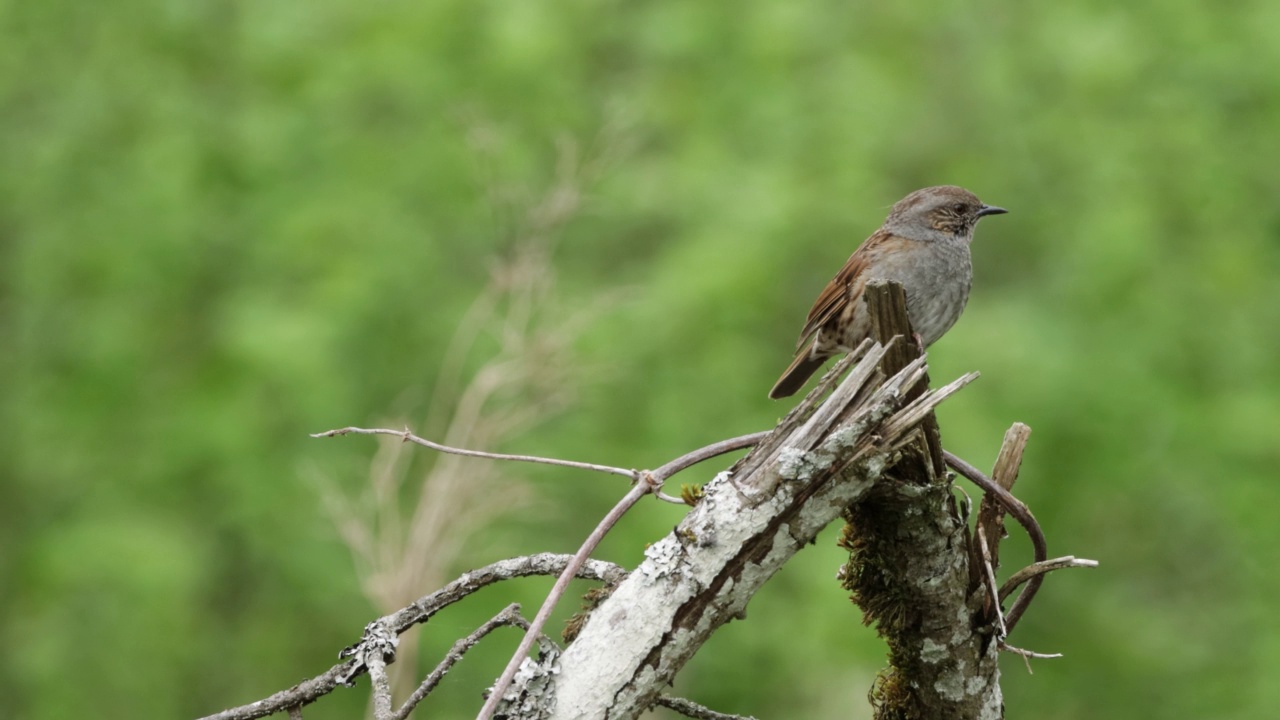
924, 246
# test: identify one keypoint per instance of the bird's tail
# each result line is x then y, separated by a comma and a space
799, 372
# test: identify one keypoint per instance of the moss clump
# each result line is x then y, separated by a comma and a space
871, 573
891, 698
590, 601
691, 494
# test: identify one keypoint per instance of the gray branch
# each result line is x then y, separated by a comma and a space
688, 708
343, 673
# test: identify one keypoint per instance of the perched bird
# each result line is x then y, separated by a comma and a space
924, 246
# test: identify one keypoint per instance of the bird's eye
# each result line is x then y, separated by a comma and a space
958, 207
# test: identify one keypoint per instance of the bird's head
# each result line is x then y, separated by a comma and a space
943, 208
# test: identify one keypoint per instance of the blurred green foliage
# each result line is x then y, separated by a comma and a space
224, 225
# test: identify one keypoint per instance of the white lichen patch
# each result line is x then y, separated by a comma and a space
912, 491
933, 652
961, 624
976, 684
844, 437
791, 461
951, 685
875, 465
796, 464
532, 693
662, 558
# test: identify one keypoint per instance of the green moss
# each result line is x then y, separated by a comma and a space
891, 697
691, 494
869, 573
591, 600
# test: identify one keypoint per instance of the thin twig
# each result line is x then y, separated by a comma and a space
690, 459
689, 708
646, 485
1027, 655
1040, 568
1022, 514
510, 615
991, 582
408, 436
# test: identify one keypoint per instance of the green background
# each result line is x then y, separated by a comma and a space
224, 225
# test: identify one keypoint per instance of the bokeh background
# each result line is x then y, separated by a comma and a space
225, 225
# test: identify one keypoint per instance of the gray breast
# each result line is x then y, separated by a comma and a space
937, 281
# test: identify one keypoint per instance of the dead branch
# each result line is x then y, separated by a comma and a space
1005, 474
408, 436
989, 574
309, 691
688, 708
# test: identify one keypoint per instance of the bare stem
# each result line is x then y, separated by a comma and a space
420, 611
990, 575
1040, 568
1027, 655
410, 437
690, 459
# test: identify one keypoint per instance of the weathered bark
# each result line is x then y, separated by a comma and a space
910, 571
751, 520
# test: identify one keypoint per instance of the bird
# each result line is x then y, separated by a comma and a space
922, 245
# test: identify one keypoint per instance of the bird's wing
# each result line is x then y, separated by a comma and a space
835, 296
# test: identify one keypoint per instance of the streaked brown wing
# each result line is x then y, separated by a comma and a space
835, 296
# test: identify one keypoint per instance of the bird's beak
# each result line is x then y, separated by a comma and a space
991, 210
